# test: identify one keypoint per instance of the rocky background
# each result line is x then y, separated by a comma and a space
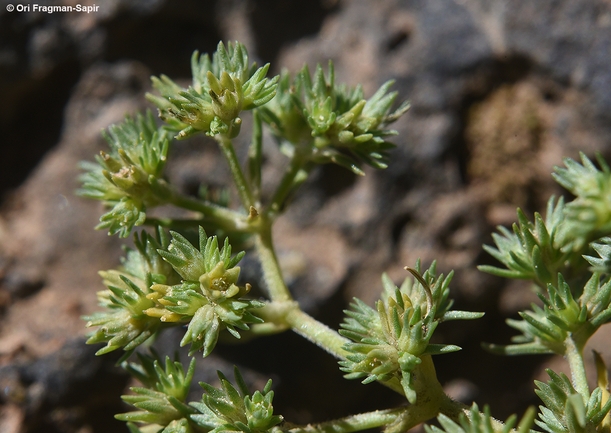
500, 92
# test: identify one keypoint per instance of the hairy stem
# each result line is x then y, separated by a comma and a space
212, 213
255, 155
174, 223
242, 186
274, 316
276, 287
353, 423
431, 401
293, 176
317, 332
431, 397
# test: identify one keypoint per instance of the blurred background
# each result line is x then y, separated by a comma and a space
500, 91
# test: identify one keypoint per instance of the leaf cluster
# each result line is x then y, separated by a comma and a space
163, 399
124, 179
125, 323
546, 328
532, 250
389, 341
481, 422
588, 216
222, 88
550, 253
208, 297
162, 404
538, 250
166, 283
231, 409
566, 410
331, 123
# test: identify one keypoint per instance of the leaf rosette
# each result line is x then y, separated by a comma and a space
124, 178
565, 410
332, 123
589, 215
208, 298
566, 313
162, 402
534, 251
389, 341
231, 409
222, 88
125, 323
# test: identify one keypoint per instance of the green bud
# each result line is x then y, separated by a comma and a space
123, 177
387, 344
209, 298
222, 88
123, 217
335, 121
232, 409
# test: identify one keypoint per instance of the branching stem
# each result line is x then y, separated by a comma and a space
255, 155
317, 332
220, 216
239, 179
276, 287
290, 179
353, 423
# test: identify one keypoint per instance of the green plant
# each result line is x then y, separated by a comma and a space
170, 279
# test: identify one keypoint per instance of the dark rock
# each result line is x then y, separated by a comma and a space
71, 382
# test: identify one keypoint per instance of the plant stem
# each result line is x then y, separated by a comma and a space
217, 215
317, 332
221, 216
431, 398
288, 182
353, 423
574, 356
276, 287
431, 401
281, 315
244, 191
173, 223
274, 316
255, 154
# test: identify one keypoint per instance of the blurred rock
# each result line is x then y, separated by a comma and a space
48, 239
64, 390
